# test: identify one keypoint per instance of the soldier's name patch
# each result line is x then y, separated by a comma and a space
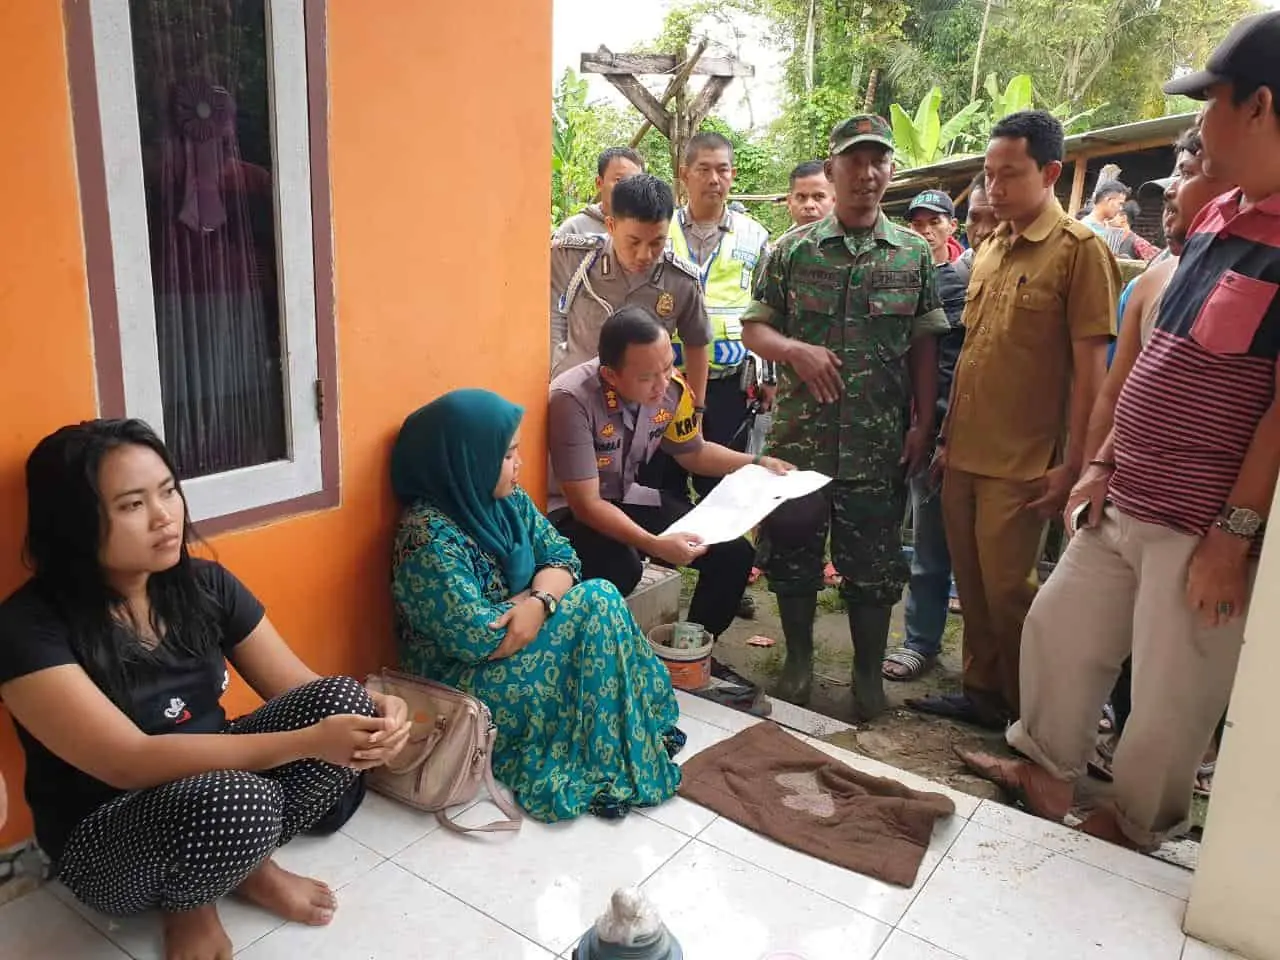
819, 277
609, 446
895, 278
666, 304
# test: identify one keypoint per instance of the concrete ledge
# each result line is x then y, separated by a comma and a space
656, 600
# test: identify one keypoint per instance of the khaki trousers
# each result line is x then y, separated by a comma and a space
995, 543
1120, 590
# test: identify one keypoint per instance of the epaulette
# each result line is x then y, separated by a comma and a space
578, 241
682, 264
1080, 231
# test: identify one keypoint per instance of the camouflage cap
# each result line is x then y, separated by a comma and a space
864, 128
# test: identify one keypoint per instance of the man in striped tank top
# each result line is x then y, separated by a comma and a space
1165, 572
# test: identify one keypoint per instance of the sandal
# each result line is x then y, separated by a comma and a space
956, 706
1204, 778
1103, 756
1107, 722
913, 665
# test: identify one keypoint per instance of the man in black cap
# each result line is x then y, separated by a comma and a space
1165, 569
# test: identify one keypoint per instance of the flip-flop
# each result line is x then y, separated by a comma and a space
1107, 722
1205, 773
748, 699
915, 664
955, 706
1103, 756
1032, 786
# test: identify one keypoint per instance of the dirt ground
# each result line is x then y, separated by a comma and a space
902, 737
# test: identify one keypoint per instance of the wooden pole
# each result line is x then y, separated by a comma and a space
676, 82
1077, 185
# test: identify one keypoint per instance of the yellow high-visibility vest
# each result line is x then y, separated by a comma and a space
726, 282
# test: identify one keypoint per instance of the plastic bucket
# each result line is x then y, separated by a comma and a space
689, 669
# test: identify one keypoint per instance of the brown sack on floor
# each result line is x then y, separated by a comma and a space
777, 785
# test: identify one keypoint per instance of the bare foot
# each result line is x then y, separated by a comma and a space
196, 935
288, 895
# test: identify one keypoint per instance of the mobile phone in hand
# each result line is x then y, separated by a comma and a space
1080, 516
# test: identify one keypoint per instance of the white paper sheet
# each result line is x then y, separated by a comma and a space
744, 498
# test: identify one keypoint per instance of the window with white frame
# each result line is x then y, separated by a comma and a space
203, 117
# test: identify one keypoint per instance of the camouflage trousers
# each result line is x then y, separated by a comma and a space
865, 523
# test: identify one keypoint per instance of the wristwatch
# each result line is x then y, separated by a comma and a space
1239, 522
549, 603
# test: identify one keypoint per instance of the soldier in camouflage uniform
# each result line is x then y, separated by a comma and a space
848, 308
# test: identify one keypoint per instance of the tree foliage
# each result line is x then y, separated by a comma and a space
1093, 62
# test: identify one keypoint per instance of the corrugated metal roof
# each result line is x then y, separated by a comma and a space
1092, 143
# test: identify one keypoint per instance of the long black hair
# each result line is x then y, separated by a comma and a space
67, 523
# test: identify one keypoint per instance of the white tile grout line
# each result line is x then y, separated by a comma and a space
1077, 859
945, 853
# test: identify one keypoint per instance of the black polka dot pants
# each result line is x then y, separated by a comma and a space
185, 844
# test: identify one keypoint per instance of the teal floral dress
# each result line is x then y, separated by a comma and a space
585, 713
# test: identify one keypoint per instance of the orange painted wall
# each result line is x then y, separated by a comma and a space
440, 187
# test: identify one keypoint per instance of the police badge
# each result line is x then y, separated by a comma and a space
666, 304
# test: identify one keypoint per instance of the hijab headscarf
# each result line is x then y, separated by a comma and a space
449, 454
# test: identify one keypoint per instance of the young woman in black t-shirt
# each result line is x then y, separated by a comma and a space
112, 662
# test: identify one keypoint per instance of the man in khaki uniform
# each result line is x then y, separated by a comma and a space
1038, 317
594, 276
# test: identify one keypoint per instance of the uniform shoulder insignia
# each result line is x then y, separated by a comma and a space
578, 241
682, 264
1079, 230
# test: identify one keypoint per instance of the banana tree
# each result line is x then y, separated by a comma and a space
925, 138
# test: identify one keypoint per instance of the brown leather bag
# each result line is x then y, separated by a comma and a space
449, 755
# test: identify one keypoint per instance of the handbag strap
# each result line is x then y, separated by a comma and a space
419, 756
500, 800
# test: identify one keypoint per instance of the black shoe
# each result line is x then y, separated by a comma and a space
747, 607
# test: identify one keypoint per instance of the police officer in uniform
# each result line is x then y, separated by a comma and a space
593, 276
727, 247
848, 306
607, 418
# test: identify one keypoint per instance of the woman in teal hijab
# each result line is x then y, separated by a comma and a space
488, 600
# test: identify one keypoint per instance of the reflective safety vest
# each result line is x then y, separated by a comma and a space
726, 282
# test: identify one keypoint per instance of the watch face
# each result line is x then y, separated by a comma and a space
1244, 522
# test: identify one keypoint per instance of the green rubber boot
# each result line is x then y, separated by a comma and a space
869, 629
797, 613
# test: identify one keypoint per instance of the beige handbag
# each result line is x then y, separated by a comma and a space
449, 754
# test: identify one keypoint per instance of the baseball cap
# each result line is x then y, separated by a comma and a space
1249, 53
863, 128
934, 200
1156, 186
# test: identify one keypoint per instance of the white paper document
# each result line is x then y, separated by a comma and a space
744, 498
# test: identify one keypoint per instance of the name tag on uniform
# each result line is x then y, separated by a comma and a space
746, 255
895, 278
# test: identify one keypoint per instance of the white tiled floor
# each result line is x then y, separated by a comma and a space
994, 884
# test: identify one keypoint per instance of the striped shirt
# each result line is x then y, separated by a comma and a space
1189, 410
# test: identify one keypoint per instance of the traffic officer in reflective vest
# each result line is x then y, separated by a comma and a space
607, 418
727, 248
594, 275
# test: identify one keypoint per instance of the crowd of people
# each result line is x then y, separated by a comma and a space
995, 386
969, 381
